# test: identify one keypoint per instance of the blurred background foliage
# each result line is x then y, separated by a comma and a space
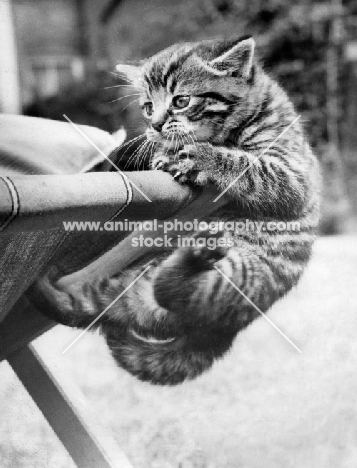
310, 47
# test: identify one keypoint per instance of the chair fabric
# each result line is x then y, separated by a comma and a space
38, 146
31, 146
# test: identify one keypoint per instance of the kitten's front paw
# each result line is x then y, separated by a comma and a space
160, 162
190, 167
184, 171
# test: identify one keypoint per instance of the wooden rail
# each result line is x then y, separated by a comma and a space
41, 202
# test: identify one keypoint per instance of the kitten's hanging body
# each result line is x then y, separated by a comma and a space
216, 119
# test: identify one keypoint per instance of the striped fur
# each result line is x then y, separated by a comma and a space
235, 111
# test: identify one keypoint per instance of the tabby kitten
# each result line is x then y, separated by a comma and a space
211, 111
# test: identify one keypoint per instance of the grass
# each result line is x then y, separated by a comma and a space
263, 405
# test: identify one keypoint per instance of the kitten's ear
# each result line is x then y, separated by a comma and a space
238, 58
131, 72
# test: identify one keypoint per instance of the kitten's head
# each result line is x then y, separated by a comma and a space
197, 91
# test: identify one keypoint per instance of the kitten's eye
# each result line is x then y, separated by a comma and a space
181, 101
148, 108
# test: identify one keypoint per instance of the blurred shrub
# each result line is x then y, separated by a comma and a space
97, 101
102, 101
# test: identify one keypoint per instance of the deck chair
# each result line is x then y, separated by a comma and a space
51, 172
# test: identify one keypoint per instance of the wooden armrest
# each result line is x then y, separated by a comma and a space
33, 203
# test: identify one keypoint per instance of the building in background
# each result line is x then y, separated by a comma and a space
10, 100
49, 44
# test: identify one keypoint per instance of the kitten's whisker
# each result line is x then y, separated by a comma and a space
181, 142
134, 140
170, 143
170, 134
121, 86
185, 141
193, 137
132, 156
123, 97
146, 154
127, 80
130, 103
130, 142
176, 143
135, 154
141, 155
189, 141
186, 138
151, 153
138, 151
121, 76
192, 134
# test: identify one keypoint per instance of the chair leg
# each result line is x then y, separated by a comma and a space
61, 415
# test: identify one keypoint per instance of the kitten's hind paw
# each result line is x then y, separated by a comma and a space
208, 249
208, 256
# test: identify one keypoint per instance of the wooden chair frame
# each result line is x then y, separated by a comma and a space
25, 323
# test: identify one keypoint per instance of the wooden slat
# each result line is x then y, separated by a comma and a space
69, 426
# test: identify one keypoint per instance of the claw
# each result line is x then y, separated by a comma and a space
178, 173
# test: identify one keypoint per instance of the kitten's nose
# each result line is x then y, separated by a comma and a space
158, 125
159, 118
